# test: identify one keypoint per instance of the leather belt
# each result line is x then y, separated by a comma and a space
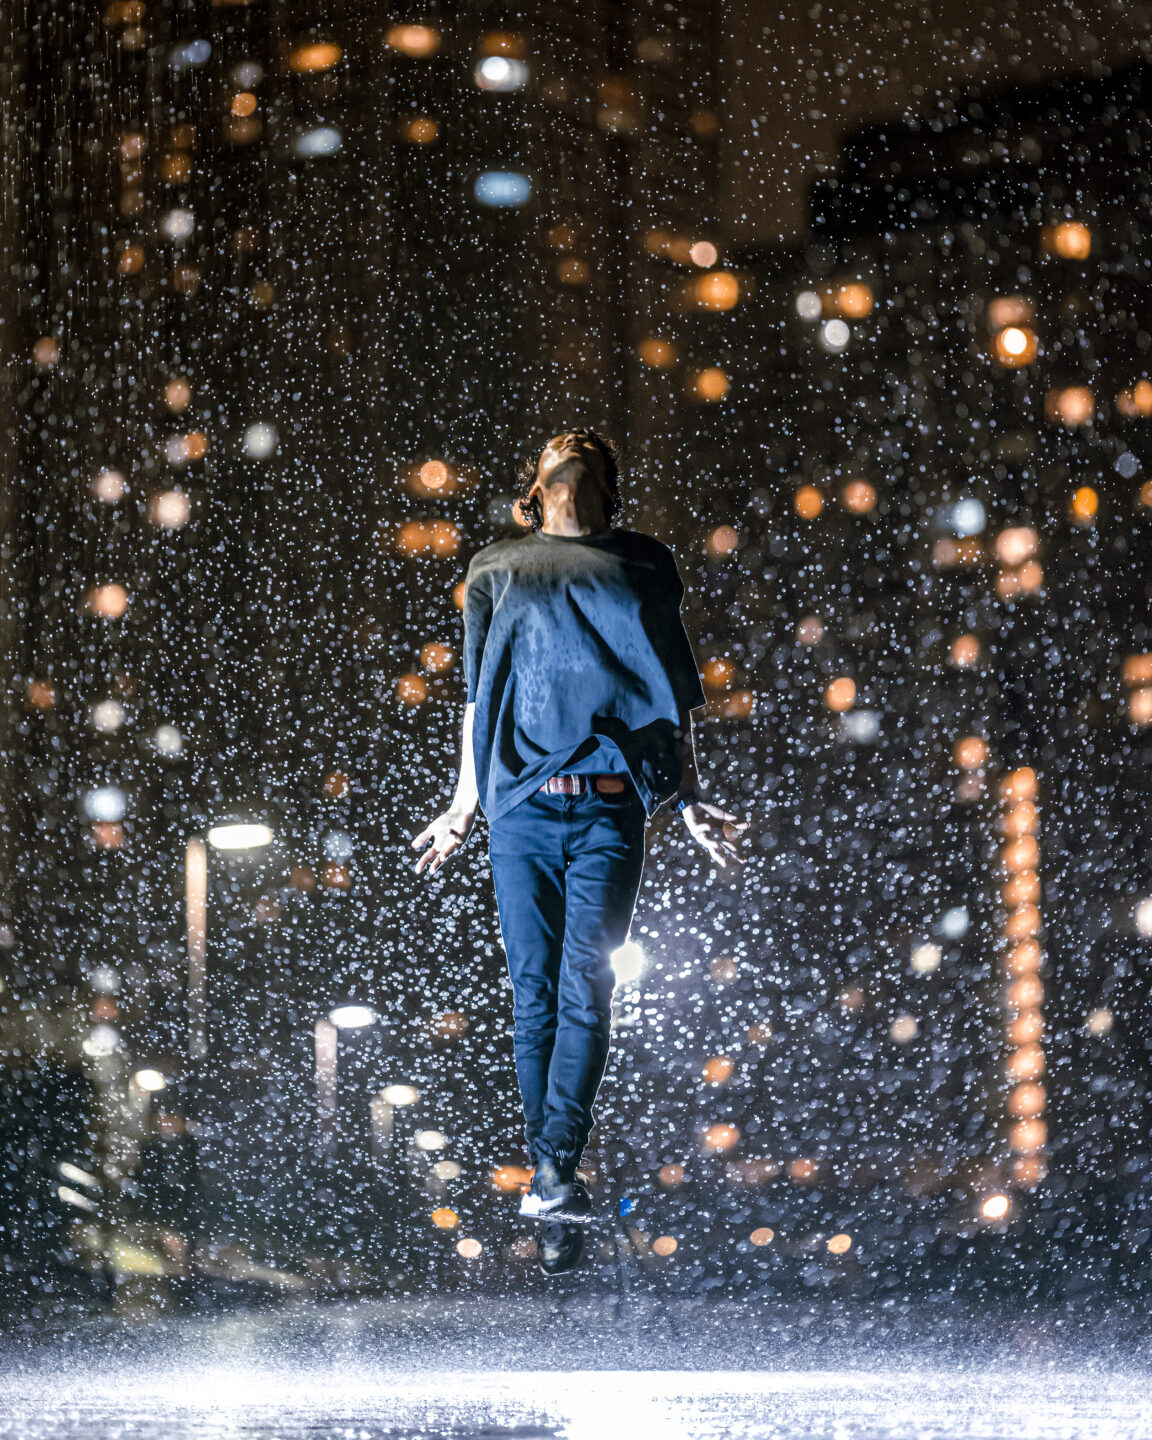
577, 784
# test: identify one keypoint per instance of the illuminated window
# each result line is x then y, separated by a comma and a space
723, 541
433, 477
840, 695
1008, 310
420, 129
46, 351
723, 1136
177, 394
709, 385
183, 449
808, 502
445, 1219
1016, 545
718, 674
108, 601
677, 248
834, 335
573, 272
260, 440
718, 1070
109, 486
417, 41
664, 1245
243, 105
1073, 405
1071, 240
501, 73
971, 752
323, 140
436, 657
810, 630
131, 259
502, 188
1015, 346
704, 254
965, 651
308, 59
1083, 505
169, 509
176, 168
716, 290
858, 496
41, 695
851, 300
1137, 400
657, 353
421, 537
504, 42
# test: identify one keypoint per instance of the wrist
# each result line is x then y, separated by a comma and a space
685, 796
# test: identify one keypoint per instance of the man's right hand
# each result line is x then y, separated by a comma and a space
447, 833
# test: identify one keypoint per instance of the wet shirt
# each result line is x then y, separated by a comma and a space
577, 660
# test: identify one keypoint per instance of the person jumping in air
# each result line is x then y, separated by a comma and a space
580, 686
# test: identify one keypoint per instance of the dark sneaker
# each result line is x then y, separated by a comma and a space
548, 1192
559, 1247
577, 1208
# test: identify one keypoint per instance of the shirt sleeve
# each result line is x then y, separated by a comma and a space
477, 618
676, 648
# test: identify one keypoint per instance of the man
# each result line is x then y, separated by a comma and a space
580, 687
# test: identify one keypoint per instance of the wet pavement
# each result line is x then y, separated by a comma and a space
406, 1370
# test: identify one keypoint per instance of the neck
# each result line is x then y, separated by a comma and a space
565, 518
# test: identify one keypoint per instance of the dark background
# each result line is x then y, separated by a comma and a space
798, 76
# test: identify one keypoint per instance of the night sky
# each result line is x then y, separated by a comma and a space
799, 75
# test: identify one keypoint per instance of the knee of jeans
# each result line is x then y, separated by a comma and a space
587, 1000
533, 1017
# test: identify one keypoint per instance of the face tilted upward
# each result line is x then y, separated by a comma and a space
574, 461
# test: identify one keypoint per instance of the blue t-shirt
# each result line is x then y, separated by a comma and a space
577, 660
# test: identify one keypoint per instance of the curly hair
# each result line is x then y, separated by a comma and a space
533, 510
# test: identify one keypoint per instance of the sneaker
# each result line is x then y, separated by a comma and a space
548, 1192
559, 1247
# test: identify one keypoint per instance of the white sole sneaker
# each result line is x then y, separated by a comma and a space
533, 1206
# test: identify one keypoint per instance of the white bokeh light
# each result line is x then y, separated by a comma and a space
260, 439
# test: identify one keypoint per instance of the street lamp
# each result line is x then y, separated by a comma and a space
348, 1016
229, 836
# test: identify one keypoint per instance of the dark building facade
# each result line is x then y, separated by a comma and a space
936, 564
298, 290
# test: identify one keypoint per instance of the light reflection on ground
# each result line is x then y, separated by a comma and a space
577, 1370
214, 1404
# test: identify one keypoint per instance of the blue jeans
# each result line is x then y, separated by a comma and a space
567, 871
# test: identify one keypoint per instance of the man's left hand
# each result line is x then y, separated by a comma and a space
716, 830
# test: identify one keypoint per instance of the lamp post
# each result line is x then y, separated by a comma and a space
230, 836
349, 1016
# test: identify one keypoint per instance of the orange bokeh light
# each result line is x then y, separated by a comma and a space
1071, 240
808, 502
716, 290
417, 41
657, 353
710, 384
1072, 405
858, 496
320, 55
